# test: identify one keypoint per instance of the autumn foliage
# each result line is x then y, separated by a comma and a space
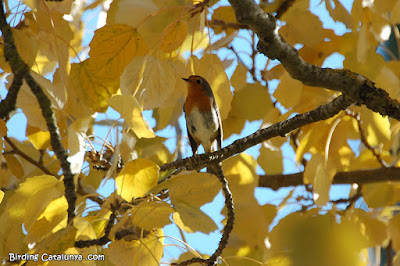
134, 63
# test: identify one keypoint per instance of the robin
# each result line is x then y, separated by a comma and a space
203, 120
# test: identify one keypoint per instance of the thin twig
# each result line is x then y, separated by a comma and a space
364, 139
351, 199
38, 164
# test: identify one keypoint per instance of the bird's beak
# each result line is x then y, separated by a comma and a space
185, 79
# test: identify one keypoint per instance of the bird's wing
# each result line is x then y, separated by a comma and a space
193, 143
220, 135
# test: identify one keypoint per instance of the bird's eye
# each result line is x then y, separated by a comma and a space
198, 81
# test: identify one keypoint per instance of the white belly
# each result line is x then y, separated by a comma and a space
203, 127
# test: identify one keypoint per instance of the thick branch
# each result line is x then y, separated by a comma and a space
353, 85
55, 140
279, 129
8, 104
20, 68
358, 176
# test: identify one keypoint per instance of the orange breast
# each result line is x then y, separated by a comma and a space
197, 99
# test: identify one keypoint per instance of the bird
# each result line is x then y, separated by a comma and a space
203, 119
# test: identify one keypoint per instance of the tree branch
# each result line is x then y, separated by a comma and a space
8, 104
38, 164
19, 67
364, 138
283, 8
355, 86
279, 129
359, 177
213, 259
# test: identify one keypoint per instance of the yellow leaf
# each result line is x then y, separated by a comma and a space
279, 260
4, 65
320, 172
11, 242
188, 192
193, 188
316, 240
375, 126
158, 82
77, 142
339, 13
173, 36
380, 194
127, 146
394, 232
167, 116
359, 59
130, 110
29, 104
252, 220
57, 243
113, 47
129, 12
210, 68
131, 78
288, 86
63, 7
52, 219
150, 215
239, 77
223, 43
270, 160
389, 81
14, 165
146, 251
136, 178
89, 88
395, 14
372, 230
251, 102
55, 91
225, 14
33, 196
311, 98
27, 45
366, 160
54, 35
192, 219
302, 27
85, 230
153, 26
198, 41
250, 223
1, 195
38, 138
153, 149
